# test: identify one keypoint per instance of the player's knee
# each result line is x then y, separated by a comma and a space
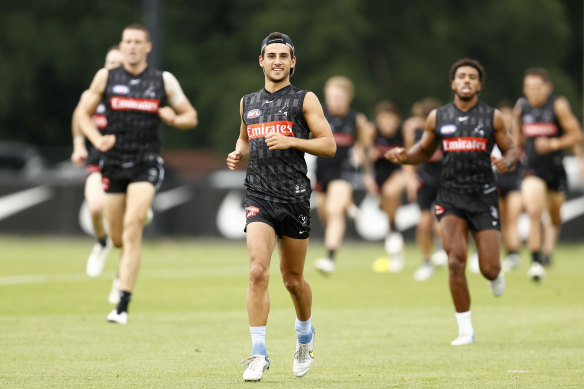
456, 263
258, 274
292, 282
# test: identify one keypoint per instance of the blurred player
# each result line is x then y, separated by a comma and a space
276, 124
334, 175
544, 126
137, 98
466, 131
94, 194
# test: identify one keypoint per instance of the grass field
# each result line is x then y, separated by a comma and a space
188, 324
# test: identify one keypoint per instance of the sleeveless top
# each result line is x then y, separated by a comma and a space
276, 175
383, 144
466, 140
345, 132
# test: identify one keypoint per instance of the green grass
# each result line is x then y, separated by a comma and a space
188, 324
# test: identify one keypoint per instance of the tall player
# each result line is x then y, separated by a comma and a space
94, 194
466, 131
136, 96
276, 124
544, 126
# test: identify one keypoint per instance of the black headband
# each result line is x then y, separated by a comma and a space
285, 39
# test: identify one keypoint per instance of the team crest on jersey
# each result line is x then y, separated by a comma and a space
528, 118
120, 89
254, 113
100, 109
448, 129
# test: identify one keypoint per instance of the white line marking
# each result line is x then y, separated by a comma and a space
17, 202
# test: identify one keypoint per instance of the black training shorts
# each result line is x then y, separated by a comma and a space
287, 219
480, 210
115, 178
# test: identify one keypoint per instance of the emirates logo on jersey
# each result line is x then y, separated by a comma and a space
260, 130
464, 144
342, 139
532, 130
131, 104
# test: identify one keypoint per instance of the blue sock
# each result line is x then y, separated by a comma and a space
303, 330
258, 340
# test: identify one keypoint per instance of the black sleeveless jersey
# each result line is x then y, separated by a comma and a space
132, 115
433, 166
344, 131
536, 122
466, 140
383, 144
276, 175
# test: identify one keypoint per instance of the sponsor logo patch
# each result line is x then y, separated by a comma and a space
251, 211
105, 183
448, 129
130, 104
121, 89
254, 113
464, 144
439, 210
100, 121
260, 130
532, 130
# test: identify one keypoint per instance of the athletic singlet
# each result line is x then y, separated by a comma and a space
276, 175
132, 115
466, 140
344, 131
384, 143
433, 166
536, 122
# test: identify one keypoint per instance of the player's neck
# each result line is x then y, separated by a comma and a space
274, 86
135, 69
465, 105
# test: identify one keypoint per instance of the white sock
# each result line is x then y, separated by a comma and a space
464, 323
258, 340
303, 330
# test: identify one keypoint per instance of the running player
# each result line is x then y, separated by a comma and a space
466, 131
544, 126
94, 194
136, 96
334, 176
276, 123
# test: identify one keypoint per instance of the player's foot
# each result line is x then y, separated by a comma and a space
303, 357
425, 272
114, 296
381, 265
497, 285
536, 272
396, 262
255, 367
394, 243
546, 260
510, 262
473, 264
463, 339
115, 317
96, 260
353, 212
439, 258
325, 265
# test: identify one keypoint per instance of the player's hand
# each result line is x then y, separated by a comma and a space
396, 155
167, 115
79, 156
105, 143
277, 141
501, 164
233, 160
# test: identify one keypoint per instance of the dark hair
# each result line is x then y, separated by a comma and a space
542, 73
468, 62
386, 106
139, 27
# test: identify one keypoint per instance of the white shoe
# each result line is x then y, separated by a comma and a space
473, 264
425, 272
115, 317
114, 296
396, 262
439, 258
96, 260
497, 285
325, 265
149, 217
463, 339
256, 365
536, 272
303, 357
394, 243
353, 212
510, 262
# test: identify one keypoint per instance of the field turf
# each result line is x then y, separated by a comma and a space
188, 324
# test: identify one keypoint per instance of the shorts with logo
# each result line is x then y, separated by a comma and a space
554, 177
480, 210
287, 219
116, 178
427, 191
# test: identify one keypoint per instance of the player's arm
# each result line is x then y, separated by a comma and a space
516, 131
421, 151
241, 146
409, 136
79, 155
505, 143
180, 113
87, 106
321, 144
572, 131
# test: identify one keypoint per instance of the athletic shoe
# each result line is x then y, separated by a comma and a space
114, 296
353, 212
394, 243
96, 260
510, 262
303, 357
396, 262
497, 285
325, 265
439, 258
546, 260
473, 264
115, 317
255, 367
536, 272
425, 272
463, 339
